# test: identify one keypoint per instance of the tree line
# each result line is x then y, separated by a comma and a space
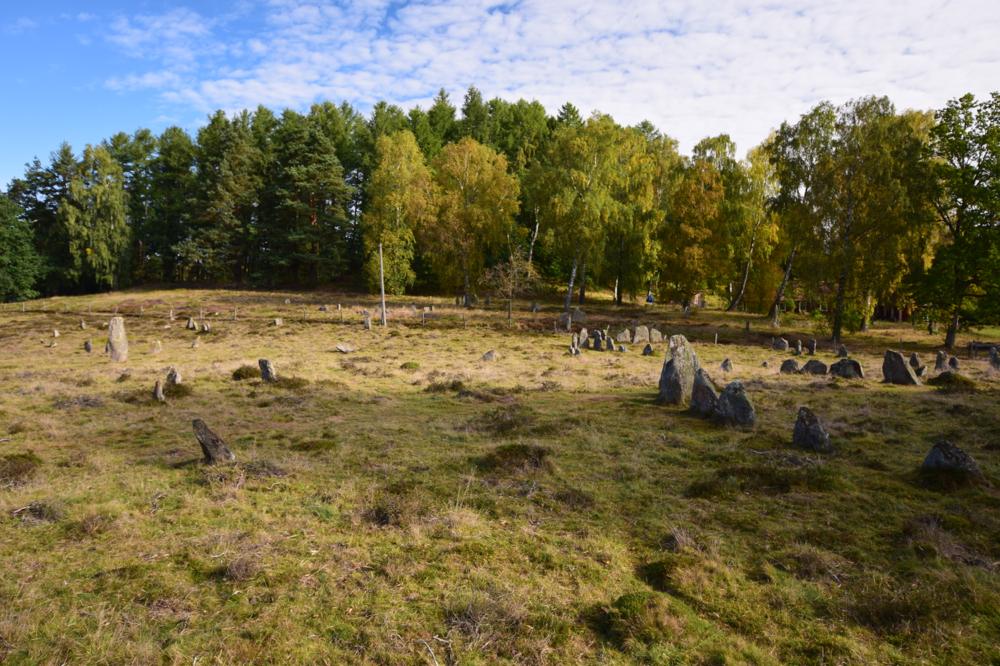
848, 212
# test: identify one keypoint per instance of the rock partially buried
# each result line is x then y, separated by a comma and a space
212, 446
267, 371
117, 340
789, 367
647, 350
847, 368
489, 356
344, 348
677, 375
895, 370
734, 407
88, 346
277, 321
727, 365
704, 397
814, 367
946, 457
809, 433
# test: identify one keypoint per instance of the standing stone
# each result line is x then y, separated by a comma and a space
995, 358
624, 336
194, 343
798, 348
734, 407
814, 367
491, 355
811, 347
206, 327
212, 446
953, 362
655, 335
946, 457
88, 346
83, 325
647, 350
174, 377
609, 343
789, 366
780, 344
117, 340
574, 342
641, 334
584, 334
172, 316
267, 371
368, 323
158, 392
895, 370
55, 333
677, 375
809, 433
278, 321
842, 352
157, 346
727, 365
914, 360
191, 325
535, 308
586, 343
288, 301
940, 361
704, 397
622, 349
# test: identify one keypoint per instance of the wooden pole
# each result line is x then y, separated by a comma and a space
381, 281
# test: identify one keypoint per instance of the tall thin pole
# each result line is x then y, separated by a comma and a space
381, 281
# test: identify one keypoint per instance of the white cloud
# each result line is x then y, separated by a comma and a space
20, 25
693, 68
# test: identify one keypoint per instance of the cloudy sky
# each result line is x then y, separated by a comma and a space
694, 68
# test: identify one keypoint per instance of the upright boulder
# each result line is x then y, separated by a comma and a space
173, 377
780, 344
814, 367
809, 433
641, 334
624, 335
789, 366
655, 335
117, 340
609, 343
842, 352
946, 457
677, 376
191, 325
940, 360
811, 347
212, 446
647, 350
953, 363
727, 365
798, 348
267, 371
734, 407
88, 346
847, 368
895, 370
704, 397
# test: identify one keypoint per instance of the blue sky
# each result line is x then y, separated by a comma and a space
81, 71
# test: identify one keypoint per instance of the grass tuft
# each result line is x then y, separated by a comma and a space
18, 468
246, 372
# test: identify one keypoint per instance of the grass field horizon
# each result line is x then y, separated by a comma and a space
410, 503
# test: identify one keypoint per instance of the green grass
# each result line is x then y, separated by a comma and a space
410, 504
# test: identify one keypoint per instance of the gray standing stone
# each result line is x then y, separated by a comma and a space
734, 407
535, 308
704, 397
946, 457
811, 347
789, 366
83, 325
780, 344
584, 334
191, 325
814, 367
206, 327
624, 336
953, 362
609, 343
367, 323
940, 361
809, 433
158, 392
641, 334
88, 346
174, 376
895, 370
677, 375
267, 371
212, 446
288, 301
655, 335
172, 316
914, 360
995, 358
842, 352
798, 348
574, 341
277, 321
727, 365
586, 343
489, 356
647, 350
622, 349
117, 340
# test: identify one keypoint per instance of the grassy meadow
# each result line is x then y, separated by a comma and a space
410, 503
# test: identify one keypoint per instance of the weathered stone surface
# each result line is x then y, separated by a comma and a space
624, 335
780, 344
117, 340
641, 334
367, 322
158, 392
83, 325
288, 301
174, 376
734, 407
609, 343
953, 362
704, 396
622, 349
584, 334
267, 371
940, 360
647, 350
489, 356
206, 327
814, 367
789, 366
191, 325
157, 347
212, 446
995, 358
798, 348
655, 335
946, 457
277, 321
895, 370
574, 341
914, 360
809, 433
677, 375
811, 347
842, 352
586, 343
88, 346
727, 365
344, 348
